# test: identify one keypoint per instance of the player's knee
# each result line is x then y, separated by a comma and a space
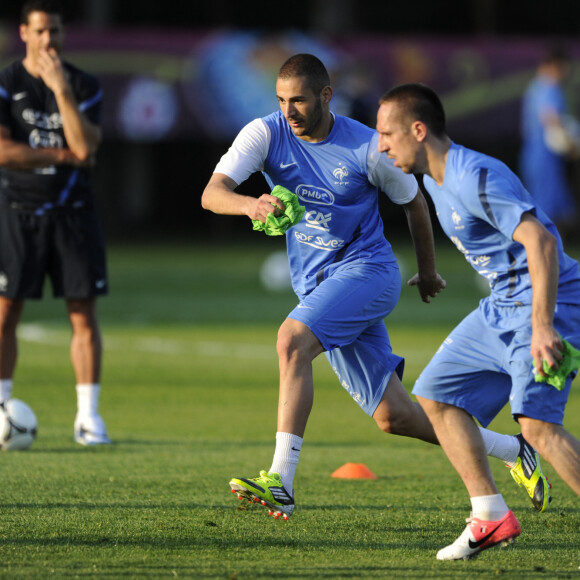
384, 424
296, 342
9, 317
538, 433
389, 422
87, 334
288, 343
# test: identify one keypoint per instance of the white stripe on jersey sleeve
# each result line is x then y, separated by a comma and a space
247, 153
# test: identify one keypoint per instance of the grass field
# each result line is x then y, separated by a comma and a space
189, 396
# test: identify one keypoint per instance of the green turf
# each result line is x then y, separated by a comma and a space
190, 394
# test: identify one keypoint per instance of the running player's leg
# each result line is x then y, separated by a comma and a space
297, 347
399, 415
370, 372
334, 314
539, 407
466, 378
461, 440
559, 447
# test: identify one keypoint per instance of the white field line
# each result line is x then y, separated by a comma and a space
40, 334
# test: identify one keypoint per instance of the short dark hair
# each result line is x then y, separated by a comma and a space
421, 103
555, 53
48, 6
308, 66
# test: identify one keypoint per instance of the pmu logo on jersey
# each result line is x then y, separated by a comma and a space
341, 173
313, 194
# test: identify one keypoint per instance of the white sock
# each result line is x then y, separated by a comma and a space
489, 508
286, 458
500, 446
88, 399
5, 389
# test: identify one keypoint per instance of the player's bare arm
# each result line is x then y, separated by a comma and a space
542, 255
219, 196
17, 155
82, 136
428, 281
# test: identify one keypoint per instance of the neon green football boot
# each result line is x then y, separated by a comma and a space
527, 472
267, 489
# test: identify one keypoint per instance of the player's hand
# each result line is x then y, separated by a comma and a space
428, 287
546, 345
88, 162
51, 70
67, 157
266, 204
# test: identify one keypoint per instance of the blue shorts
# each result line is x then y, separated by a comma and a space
346, 313
486, 362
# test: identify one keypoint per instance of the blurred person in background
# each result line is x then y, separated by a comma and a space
49, 136
550, 140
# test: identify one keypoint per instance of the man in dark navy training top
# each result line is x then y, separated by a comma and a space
49, 135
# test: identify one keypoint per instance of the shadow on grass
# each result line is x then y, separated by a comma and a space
225, 541
126, 444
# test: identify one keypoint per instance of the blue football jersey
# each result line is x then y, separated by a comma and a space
479, 206
342, 222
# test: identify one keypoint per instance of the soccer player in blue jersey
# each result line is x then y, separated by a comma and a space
343, 269
490, 357
49, 135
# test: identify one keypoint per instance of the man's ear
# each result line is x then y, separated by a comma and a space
326, 95
23, 30
419, 131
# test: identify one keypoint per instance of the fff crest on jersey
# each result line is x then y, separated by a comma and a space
341, 173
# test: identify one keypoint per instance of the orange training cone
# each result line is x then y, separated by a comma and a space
354, 471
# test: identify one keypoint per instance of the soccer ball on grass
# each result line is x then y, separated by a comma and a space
18, 425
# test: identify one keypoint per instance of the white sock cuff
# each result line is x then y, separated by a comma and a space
489, 507
5, 389
88, 398
504, 447
84, 386
288, 441
286, 457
